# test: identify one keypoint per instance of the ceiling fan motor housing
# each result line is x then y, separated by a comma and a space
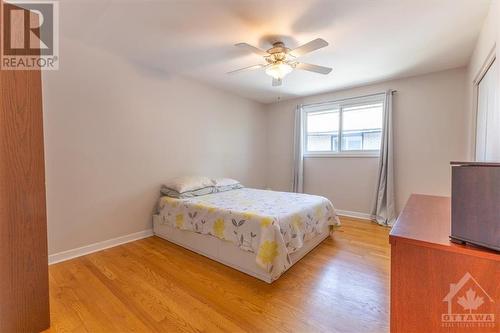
278, 53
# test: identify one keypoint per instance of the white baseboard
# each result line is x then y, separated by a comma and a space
80, 251
357, 215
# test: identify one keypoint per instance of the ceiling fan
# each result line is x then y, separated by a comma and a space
280, 60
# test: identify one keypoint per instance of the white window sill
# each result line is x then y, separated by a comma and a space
342, 155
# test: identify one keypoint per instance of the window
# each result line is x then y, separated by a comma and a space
347, 127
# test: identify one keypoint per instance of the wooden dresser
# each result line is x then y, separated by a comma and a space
24, 278
437, 285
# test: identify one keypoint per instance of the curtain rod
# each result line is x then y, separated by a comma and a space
346, 99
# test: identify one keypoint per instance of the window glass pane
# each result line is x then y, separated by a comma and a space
319, 143
371, 140
352, 141
322, 130
362, 117
362, 126
324, 121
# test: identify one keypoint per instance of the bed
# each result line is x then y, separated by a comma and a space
261, 233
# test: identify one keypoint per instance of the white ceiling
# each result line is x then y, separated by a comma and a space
369, 40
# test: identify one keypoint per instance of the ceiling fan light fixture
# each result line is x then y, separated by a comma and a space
278, 70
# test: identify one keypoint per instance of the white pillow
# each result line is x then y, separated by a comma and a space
225, 182
189, 183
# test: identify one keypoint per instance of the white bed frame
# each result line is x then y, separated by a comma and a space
226, 252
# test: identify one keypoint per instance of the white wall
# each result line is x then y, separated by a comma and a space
348, 182
114, 131
429, 126
488, 42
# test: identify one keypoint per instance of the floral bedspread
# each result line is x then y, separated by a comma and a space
270, 224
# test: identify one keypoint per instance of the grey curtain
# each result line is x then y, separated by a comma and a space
384, 209
298, 156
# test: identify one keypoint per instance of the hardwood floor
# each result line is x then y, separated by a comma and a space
151, 285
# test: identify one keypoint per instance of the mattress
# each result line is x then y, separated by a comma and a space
270, 225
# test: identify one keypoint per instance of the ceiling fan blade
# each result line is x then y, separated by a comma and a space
249, 68
252, 49
277, 82
309, 47
313, 68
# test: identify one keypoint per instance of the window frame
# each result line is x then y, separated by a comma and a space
340, 105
